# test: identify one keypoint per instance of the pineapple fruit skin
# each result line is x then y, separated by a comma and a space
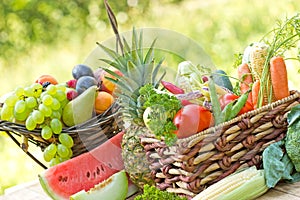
134, 156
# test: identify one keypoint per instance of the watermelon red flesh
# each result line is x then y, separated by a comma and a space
84, 171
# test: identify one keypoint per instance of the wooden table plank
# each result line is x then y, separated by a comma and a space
284, 191
32, 191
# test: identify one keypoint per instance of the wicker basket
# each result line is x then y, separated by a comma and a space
86, 136
196, 162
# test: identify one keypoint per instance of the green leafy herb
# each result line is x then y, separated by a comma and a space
160, 109
282, 38
238, 57
153, 193
292, 144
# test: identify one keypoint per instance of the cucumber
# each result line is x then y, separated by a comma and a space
220, 78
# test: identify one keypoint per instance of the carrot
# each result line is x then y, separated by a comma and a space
255, 93
279, 77
244, 74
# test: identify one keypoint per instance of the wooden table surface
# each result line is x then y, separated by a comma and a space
33, 191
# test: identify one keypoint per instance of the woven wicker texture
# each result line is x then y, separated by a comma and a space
86, 136
196, 162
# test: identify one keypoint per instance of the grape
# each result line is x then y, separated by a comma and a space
70, 153
38, 116
7, 113
51, 89
31, 102
63, 159
60, 95
64, 103
47, 100
37, 86
62, 151
47, 156
61, 87
54, 161
46, 132
56, 114
19, 91
50, 152
45, 110
43, 94
22, 116
11, 100
30, 123
20, 106
52, 148
56, 126
37, 89
28, 91
66, 140
55, 104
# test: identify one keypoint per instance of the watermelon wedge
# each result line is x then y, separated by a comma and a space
84, 171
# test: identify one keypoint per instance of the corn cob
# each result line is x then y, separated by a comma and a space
257, 59
251, 189
246, 184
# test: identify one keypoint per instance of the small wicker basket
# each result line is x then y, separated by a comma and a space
86, 136
194, 163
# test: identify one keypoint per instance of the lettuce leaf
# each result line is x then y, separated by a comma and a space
278, 166
292, 144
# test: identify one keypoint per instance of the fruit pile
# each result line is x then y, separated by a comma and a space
168, 112
49, 105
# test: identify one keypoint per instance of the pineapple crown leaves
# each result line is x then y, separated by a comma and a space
137, 70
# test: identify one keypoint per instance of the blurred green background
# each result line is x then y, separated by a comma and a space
50, 37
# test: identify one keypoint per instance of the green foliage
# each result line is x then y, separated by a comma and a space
153, 193
58, 34
162, 109
293, 136
26, 23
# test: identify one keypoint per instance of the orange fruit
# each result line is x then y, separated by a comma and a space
46, 78
103, 101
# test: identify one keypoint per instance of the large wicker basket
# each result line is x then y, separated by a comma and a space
86, 136
196, 162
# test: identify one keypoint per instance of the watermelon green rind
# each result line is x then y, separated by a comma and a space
84, 171
114, 188
48, 189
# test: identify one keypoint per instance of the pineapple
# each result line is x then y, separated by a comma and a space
138, 70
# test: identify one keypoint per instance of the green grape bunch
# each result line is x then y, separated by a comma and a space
39, 106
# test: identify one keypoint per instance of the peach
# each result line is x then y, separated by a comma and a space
103, 101
46, 78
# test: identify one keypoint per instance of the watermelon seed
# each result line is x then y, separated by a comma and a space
109, 165
60, 178
94, 174
98, 171
88, 174
102, 168
65, 179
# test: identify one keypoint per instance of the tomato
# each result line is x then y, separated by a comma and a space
227, 98
192, 119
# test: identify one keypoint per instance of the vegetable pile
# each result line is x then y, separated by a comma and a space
200, 98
